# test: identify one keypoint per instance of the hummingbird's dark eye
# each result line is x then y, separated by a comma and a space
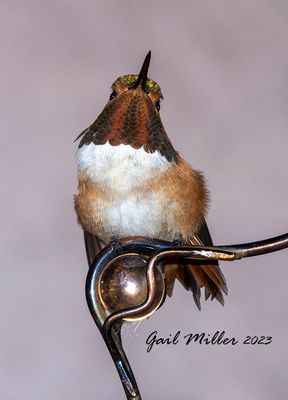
113, 95
158, 105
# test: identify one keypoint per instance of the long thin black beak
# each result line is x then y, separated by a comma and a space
142, 77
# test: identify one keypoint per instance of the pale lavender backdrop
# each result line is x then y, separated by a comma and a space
222, 66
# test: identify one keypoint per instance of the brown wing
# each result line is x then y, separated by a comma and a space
93, 246
194, 276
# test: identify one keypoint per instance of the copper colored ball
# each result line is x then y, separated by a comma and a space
123, 284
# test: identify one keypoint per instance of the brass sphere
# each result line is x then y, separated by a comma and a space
123, 285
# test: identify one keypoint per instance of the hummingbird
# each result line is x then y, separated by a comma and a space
132, 182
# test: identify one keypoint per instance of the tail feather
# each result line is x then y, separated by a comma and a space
197, 274
170, 276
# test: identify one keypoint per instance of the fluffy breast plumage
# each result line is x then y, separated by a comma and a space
125, 192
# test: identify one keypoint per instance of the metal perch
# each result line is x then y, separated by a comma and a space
149, 252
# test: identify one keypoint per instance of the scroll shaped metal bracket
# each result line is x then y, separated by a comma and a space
152, 252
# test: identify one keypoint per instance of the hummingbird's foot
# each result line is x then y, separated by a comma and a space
179, 241
115, 243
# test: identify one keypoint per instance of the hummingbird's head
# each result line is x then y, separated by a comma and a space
131, 116
138, 86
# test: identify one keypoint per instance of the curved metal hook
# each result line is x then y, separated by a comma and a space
157, 250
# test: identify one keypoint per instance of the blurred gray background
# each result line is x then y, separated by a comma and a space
222, 66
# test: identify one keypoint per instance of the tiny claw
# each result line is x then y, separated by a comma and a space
179, 241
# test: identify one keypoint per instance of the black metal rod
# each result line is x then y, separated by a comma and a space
258, 248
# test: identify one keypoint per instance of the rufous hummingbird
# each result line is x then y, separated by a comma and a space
132, 182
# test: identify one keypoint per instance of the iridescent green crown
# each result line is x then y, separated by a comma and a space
150, 85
